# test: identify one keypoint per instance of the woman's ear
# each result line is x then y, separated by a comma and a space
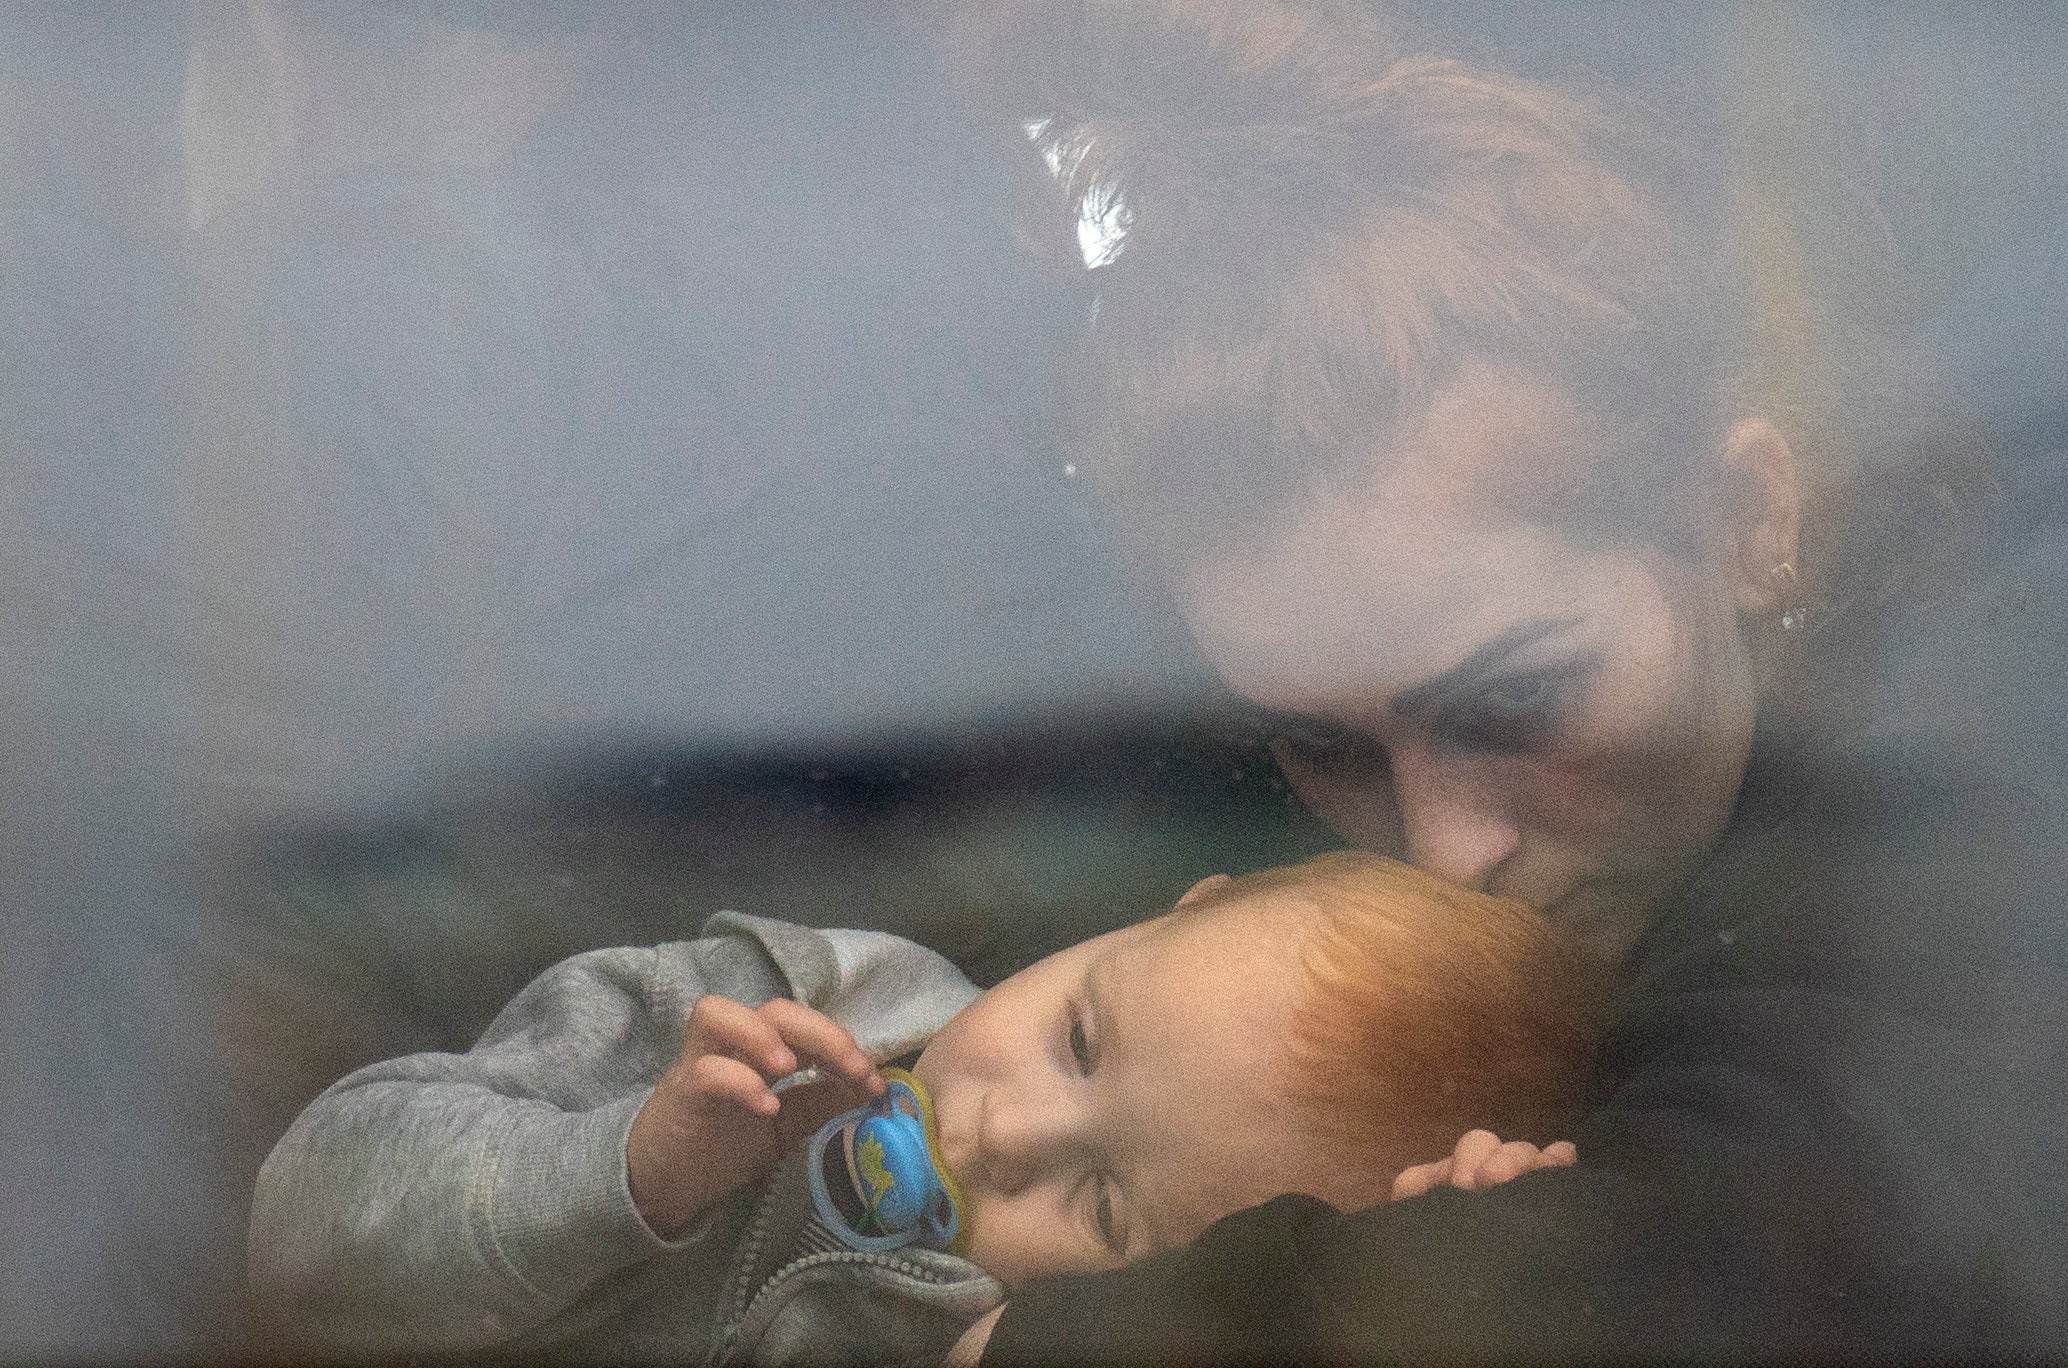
1203, 887
1764, 514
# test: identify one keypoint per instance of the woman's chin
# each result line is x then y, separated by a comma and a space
1607, 917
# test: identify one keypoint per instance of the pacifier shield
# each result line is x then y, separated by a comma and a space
873, 1174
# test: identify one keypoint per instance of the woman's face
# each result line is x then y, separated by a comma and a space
1507, 708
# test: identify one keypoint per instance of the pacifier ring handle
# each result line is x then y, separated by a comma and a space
803, 1078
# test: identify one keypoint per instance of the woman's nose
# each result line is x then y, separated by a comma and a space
1451, 825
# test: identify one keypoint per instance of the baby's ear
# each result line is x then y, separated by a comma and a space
1203, 887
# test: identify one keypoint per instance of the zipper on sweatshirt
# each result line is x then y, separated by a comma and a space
741, 1294
884, 1260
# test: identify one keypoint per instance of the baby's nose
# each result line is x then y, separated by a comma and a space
1026, 1136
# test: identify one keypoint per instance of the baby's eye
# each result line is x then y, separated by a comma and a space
1080, 1044
1103, 1219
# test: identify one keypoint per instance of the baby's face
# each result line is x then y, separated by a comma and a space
1120, 1096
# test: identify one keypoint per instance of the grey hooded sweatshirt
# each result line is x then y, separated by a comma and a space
443, 1202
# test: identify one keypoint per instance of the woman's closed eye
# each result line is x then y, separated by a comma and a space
1310, 737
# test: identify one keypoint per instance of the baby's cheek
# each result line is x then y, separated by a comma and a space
1018, 1241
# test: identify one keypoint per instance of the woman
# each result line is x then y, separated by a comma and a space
1479, 437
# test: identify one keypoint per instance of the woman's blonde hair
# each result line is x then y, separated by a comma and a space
1308, 233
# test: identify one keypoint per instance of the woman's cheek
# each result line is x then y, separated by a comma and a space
1642, 787
1579, 790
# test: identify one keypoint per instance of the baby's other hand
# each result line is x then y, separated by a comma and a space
1481, 1161
714, 1121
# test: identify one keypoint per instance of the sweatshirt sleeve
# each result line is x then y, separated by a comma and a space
447, 1201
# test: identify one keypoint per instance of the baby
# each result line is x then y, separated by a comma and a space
611, 1171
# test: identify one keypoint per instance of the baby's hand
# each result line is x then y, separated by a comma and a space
713, 1122
1481, 1161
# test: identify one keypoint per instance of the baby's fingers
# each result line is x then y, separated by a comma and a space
1473, 1150
718, 1078
1413, 1182
816, 1037
1507, 1162
720, 1026
1480, 1161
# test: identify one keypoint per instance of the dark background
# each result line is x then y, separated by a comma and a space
482, 481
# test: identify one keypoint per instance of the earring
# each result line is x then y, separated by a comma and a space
1784, 581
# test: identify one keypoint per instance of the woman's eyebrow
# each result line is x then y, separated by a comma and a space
1477, 668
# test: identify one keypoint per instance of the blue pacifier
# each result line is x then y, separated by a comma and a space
874, 1178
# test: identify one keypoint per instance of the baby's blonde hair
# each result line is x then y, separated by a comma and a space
1427, 1010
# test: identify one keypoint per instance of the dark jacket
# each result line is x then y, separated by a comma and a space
1830, 1113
